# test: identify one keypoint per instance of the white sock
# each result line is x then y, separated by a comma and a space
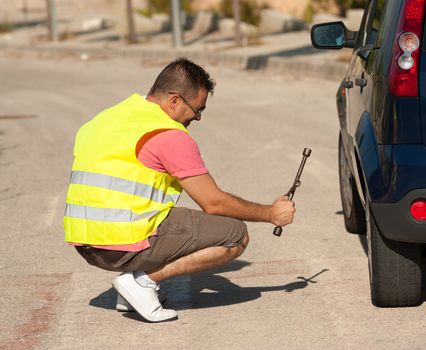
143, 279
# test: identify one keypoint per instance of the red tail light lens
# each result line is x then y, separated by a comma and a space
418, 210
414, 10
403, 74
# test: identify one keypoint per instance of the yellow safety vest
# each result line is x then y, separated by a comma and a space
112, 197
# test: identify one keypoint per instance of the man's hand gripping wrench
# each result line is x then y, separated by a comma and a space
306, 153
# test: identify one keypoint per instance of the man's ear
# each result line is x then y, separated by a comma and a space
173, 102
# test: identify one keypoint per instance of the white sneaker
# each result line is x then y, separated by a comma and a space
123, 306
143, 299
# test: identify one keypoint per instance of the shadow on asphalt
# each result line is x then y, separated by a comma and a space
208, 289
261, 61
105, 300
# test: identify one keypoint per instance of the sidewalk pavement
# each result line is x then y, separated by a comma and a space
286, 53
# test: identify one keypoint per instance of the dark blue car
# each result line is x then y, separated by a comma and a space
381, 106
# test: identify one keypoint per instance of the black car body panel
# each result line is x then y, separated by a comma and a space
395, 219
384, 136
422, 86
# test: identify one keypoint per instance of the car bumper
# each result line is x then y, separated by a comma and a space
395, 221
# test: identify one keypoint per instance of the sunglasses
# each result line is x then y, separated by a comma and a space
197, 111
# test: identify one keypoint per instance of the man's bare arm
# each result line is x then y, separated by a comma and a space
205, 192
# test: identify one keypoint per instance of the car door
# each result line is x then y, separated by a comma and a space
360, 80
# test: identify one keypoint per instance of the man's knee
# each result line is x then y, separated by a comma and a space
245, 241
237, 250
243, 244
240, 233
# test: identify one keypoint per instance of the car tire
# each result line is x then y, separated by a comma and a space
395, 270
353, 210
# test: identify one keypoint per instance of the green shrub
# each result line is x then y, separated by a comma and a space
6, 26
308, 14
162, 6
249, 10
358, 4
144, 12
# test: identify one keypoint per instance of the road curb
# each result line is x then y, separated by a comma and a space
303, 65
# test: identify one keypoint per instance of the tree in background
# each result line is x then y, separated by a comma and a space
131, 30
249, 10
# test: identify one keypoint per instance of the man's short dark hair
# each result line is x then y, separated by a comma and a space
182, 76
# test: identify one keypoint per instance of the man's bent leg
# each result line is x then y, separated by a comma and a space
198, 261
204, 259
186, 231
187, 241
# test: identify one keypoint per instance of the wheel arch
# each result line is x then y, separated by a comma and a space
360, 178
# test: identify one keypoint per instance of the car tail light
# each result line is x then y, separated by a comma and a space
418, 210
404, 69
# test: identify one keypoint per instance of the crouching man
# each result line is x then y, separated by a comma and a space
131, 163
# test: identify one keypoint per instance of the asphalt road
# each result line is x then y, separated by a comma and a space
306, 290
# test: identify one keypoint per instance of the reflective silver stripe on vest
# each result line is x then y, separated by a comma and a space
105, 214
122, 185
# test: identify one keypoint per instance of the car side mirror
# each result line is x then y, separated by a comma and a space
332, 36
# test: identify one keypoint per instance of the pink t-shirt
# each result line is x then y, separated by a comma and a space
171, 151
174, 152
